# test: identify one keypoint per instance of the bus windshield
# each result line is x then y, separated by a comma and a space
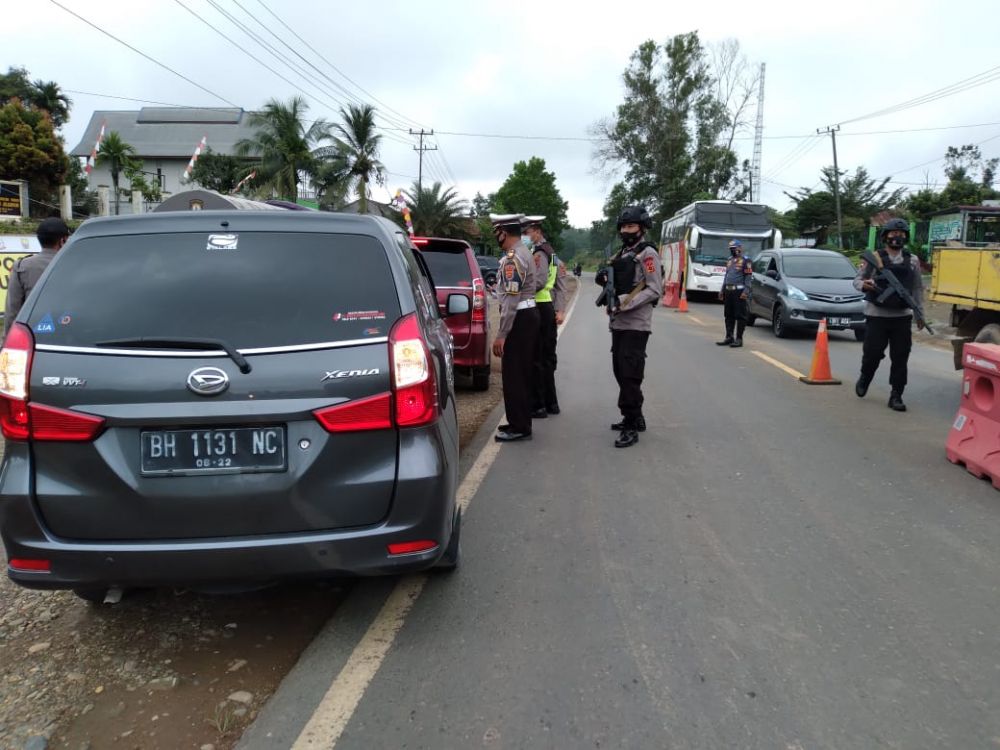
715, 248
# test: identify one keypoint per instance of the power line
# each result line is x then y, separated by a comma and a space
965, 84
143, 54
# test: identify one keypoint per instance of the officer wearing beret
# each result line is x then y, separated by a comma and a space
52, 235
517, 332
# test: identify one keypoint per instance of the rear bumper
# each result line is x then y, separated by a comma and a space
476, 352
423, 509
807, 314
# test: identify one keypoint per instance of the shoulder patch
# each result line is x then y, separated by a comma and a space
650, 265
538, 260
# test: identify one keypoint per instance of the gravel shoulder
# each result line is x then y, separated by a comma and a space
163, 668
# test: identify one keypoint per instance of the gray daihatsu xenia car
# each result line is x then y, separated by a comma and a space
226, 397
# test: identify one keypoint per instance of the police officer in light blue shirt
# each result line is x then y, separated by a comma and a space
735, 294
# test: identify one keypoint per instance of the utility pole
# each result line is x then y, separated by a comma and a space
836, 182
421, 148
758, 140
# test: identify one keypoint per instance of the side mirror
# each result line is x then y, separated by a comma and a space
771, 274
458, 304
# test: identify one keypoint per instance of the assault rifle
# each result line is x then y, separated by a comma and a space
895, 286
608, 296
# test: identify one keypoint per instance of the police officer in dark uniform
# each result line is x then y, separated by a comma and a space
735, 294
548, 302
889, 322
52, 235
517, 332
638, 280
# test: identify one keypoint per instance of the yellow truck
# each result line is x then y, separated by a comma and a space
968, 278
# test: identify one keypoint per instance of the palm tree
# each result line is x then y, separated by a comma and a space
436, 213
359, 144
287, 149
118, 156
48, 96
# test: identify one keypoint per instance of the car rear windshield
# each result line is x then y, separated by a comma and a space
448, 263
816, 267
251, 289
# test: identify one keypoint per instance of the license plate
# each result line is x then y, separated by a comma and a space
838, 322
236, 450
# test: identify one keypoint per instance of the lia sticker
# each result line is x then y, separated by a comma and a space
223, 241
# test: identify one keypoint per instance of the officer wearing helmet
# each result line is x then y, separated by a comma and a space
517, 331
735, 294
888, 318
638, 281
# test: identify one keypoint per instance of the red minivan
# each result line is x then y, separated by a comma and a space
454, 269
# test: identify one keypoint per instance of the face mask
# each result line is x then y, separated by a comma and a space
629, 238
734, 251
896, 243
527, 241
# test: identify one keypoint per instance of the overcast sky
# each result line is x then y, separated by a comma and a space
542, 68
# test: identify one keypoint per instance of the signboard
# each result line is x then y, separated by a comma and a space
13, 247
10, 199
944, 228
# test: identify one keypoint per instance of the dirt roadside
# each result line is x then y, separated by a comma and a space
162, 669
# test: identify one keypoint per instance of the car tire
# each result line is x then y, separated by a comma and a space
859, 334
453, 552
988, 334
778, 323
92, 596
481, 378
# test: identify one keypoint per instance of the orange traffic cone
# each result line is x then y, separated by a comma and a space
683, 306
819, 373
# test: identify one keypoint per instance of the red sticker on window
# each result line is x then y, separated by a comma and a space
650, 265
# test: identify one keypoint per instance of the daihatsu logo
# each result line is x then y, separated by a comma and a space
208, 381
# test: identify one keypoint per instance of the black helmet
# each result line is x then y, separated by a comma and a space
634, 215
894, 225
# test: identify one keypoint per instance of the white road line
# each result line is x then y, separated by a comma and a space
699, 321
780, 365
335, 710
345, 693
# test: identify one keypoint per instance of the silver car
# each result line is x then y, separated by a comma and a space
795, 288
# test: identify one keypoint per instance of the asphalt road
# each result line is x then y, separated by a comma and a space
774, 565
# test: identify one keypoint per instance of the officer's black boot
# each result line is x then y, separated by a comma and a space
739, 336
728, 341
861, 387
896, 401
640, 425
628, 438
540, 413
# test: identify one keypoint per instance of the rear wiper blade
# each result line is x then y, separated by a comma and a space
181, 342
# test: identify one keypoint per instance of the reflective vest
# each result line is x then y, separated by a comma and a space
545, 293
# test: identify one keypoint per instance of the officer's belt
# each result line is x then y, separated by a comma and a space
525, 304
734, 287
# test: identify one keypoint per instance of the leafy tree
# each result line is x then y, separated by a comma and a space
45, 95
119, 157
530, 189
149, 188
921, 204
285, 148
219, 172
358, 145
482, 205
30, 150
672, 135
436, 213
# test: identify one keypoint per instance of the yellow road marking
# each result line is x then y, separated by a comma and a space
330, 718
780, 365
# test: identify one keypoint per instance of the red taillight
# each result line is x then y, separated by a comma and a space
419, 241
49, 423
478, 301
413, 383
36, 566
373, 413
21, 420
408, 548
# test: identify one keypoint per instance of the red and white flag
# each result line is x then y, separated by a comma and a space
194, 157
93, 154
